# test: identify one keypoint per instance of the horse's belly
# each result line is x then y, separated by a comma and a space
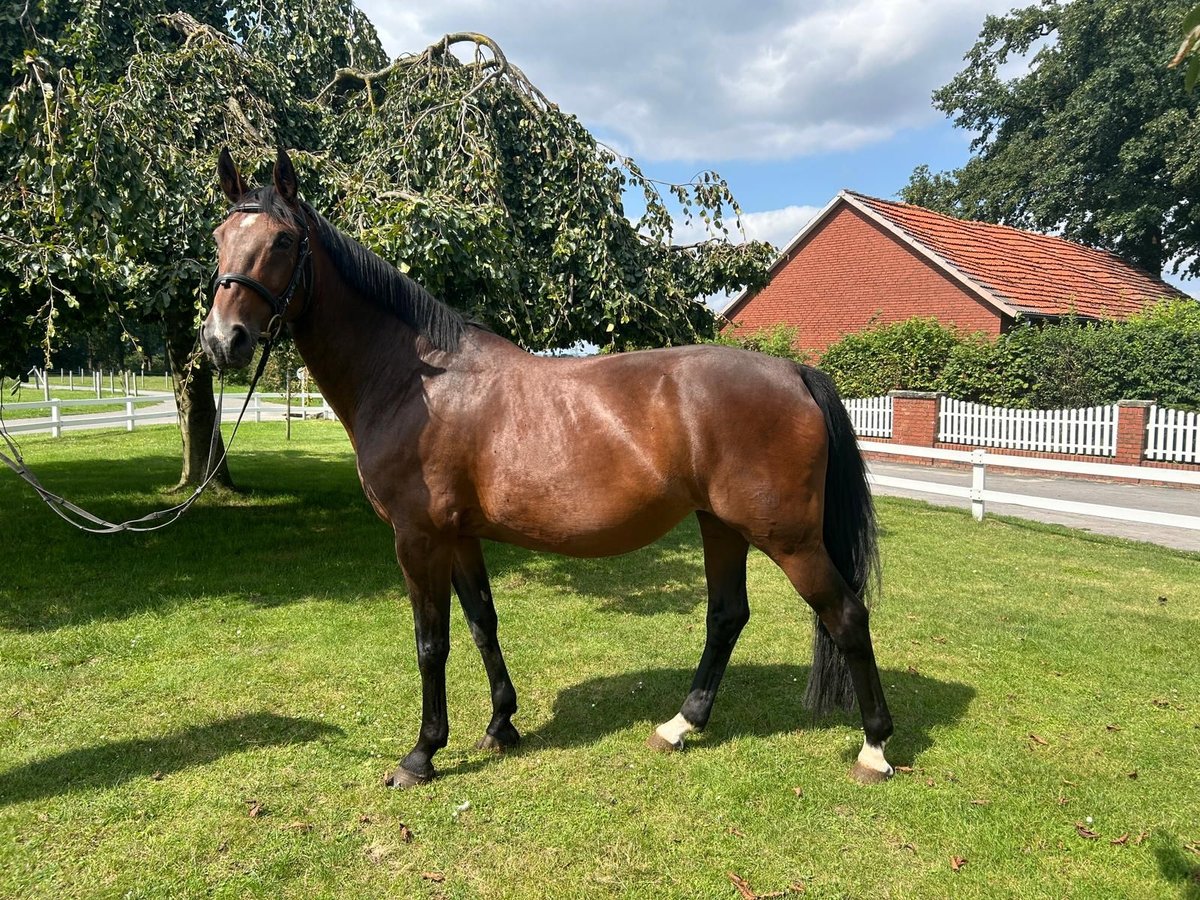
576, 527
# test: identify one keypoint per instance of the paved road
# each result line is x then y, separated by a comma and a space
1135, 496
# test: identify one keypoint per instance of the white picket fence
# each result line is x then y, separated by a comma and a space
16, 420
1173, 435
1091, 431
872, 416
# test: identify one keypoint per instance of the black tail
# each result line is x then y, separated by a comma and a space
850, 540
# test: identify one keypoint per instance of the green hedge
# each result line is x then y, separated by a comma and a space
1152, 356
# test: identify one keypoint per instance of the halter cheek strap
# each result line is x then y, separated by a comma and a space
278, 303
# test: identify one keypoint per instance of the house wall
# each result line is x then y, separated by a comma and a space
848, 272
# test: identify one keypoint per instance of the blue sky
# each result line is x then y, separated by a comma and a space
790, 100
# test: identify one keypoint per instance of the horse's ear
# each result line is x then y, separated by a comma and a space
231, 180
285, 177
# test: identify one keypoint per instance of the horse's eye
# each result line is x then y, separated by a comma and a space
283, 241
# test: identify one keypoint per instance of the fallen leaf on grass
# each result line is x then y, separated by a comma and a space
1161, 703
1121, 840
436, 877
1039, 740
1132, 774
743, 886
157, 776
929, 782
302, 827
1112, 727
906, 770
798, 791
736, 832
957, 862
406, 834
1063, 801
1141, 837
223, 846
1193, 847
939, 640
257, 810
1084, 832
980, 802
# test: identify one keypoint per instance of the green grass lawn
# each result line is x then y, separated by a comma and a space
258, 657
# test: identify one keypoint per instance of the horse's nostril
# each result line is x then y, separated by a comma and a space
240, 338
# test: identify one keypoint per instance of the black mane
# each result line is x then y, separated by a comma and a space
376, 279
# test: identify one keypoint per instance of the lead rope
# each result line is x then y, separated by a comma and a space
86, 521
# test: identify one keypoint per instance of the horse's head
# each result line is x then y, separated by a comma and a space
262, 256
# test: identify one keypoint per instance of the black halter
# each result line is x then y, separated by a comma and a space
278, 303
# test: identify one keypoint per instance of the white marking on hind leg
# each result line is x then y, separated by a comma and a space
871, 756
673, 732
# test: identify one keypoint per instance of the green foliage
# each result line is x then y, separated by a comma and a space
505, 206
1073, 363
1097, 141
778, 340
907, 355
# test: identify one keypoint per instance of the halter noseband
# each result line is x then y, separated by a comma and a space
278, 303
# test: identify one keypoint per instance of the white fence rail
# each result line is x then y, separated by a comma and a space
1173, 435
872, 416
1091, 431
980, 496
262, 407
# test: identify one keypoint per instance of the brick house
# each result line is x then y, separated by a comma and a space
862, 260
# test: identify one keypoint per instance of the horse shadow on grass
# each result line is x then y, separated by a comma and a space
106, 765
755, 700
1175, 865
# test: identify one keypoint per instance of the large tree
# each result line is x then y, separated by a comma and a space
1094, 139
448, 162
114, 115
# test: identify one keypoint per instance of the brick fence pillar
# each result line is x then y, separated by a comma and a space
915, 417
1132, 416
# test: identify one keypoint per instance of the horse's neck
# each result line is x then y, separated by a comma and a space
354, 349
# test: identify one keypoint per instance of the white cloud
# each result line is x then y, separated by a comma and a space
710, 79
776, 226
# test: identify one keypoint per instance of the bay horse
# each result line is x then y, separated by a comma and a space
461, 436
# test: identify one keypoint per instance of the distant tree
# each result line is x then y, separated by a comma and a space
1096, 140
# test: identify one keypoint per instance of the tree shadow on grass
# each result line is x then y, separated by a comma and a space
758, 700
106, 765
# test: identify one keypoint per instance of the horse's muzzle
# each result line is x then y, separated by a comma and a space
229, 348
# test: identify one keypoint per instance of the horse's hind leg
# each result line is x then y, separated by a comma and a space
845, 616
475, 594
728, 612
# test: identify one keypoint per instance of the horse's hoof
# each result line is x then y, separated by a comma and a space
402, 779
866, 775
657, 742
493, 743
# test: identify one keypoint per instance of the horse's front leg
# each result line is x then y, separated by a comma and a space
427, 561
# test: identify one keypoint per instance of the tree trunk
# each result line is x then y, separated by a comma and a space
197, 413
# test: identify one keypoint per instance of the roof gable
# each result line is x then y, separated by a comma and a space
1017, 272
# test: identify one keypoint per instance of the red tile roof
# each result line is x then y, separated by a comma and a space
1035, 273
